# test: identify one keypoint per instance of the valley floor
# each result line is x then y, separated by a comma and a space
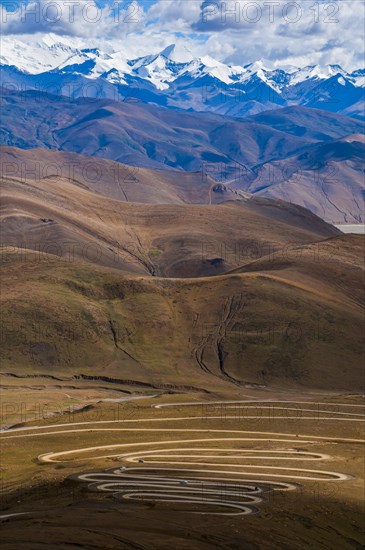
104, 467
358, 229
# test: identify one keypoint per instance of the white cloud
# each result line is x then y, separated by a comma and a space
175, 15
238, 31
82, 18
287, 33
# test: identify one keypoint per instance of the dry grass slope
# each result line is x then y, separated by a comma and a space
106, 288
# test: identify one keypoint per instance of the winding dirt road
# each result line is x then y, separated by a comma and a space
221, 475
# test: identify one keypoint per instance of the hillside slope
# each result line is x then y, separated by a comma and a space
117, 290
145, 135
282, 324
68, 217
114, 179
327, 178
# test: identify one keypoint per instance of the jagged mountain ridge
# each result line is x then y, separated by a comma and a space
197, 84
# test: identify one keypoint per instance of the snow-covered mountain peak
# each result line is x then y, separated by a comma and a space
165, 76
51, 51
169, 51
35, 58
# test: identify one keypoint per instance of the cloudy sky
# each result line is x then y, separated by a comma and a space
237, 32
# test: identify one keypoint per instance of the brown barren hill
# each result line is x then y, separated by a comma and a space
70, 217
286, 324
125, 291
114, 179
327, 178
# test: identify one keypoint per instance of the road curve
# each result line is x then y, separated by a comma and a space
218, 471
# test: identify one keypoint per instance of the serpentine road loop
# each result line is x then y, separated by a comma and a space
215, 474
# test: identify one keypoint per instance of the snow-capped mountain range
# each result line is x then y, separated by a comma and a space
57, 66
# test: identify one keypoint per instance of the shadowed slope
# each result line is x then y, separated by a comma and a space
327, 178
155, 137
